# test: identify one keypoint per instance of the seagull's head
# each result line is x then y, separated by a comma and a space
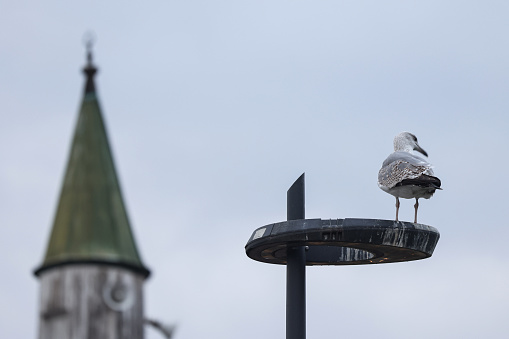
407, 142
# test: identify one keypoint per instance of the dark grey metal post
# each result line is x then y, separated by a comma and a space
296, 268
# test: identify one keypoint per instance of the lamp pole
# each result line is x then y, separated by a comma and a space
299, 242
296, 268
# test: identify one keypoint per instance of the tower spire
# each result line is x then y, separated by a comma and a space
92, 275
91, 223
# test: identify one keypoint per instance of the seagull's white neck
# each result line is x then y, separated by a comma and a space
402, 145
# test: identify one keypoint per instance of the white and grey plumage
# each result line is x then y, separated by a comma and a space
405, 175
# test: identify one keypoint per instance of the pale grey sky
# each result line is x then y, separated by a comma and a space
214, 108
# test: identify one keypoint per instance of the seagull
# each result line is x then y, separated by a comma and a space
406, 175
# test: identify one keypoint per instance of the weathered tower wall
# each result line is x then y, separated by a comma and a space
83, 301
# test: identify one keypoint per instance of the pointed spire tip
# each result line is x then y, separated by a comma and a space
90, 70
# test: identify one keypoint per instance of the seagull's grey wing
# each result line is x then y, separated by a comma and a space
400, 166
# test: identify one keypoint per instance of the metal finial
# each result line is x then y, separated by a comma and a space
90, 70
89, 39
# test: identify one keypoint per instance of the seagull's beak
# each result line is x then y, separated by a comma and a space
420, 150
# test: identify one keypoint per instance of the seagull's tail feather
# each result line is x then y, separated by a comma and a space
422, 181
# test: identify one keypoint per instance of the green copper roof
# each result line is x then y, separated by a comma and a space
91, 223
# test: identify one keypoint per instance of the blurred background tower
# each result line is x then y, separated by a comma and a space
92, 275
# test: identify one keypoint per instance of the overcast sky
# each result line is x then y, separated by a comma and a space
214, 108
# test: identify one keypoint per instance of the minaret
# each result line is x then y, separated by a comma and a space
92, 275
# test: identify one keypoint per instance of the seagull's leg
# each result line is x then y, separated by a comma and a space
397, 208
416, 207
